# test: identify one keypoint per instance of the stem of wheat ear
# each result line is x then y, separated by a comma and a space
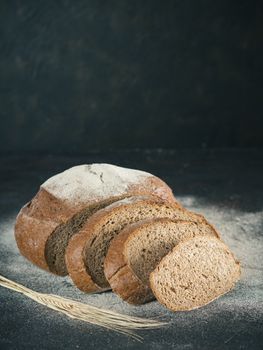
105, 318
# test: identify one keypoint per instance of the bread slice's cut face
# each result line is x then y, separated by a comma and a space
145, 247
105, 224
57, 242
194, 273
137, 250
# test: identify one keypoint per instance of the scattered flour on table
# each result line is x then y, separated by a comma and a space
93, 181
242, 231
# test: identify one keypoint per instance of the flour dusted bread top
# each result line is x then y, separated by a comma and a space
66, 201
96, 182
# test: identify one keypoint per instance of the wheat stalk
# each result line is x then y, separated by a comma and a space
109, 319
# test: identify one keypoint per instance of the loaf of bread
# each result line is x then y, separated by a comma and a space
136, 251
194, 273
112, 227
87, 250
65, 202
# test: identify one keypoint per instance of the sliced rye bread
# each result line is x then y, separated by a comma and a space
196, 272
136, 251
86, 251
65, 201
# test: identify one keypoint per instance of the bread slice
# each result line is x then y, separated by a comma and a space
86, 251
137, 250
65, 201
194, 273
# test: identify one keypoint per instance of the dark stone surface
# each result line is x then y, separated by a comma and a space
83, 75
226, 186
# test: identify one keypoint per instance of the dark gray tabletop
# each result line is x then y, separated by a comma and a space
226, 186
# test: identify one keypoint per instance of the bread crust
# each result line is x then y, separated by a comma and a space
131, 289
39, 218
75, 250
119, 274
36, 221
76, 267
116, 264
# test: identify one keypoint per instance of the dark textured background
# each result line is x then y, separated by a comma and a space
83, 75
